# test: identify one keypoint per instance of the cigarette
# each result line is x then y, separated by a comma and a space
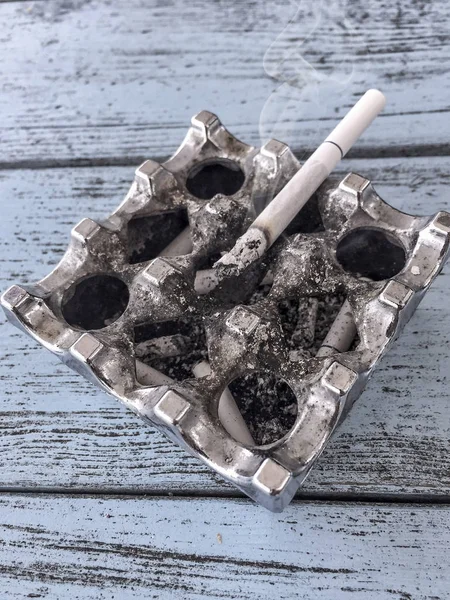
147, 375
164, 346
341, 334
229, 414
305, 327
207, 280
274, 219
180, 245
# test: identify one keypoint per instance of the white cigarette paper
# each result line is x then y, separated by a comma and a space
179, 246
207, 280
341, 334
274, 219
147, 375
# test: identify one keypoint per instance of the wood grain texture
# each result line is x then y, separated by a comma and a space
91, 548
58, 431
107, 84
101, 82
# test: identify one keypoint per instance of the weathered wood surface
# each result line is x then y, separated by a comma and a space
106, 84
114, 82
58, 431
103, 548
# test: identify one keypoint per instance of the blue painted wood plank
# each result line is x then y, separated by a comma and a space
58, 431
103, 548
116, 82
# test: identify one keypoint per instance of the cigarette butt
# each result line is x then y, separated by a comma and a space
207, 280
341, 334
229, 414
164, 346
306, 323
180, 245
147, 375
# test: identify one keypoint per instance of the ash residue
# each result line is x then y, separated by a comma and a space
247, 250
148, 236
219, 177
259, 294
268, 405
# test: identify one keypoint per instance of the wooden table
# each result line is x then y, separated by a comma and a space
93, 503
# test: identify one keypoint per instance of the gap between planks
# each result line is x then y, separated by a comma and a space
419, 151
300, 498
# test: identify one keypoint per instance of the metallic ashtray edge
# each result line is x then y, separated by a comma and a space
240, 338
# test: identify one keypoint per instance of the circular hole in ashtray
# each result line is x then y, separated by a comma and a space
267, 404
371, 253
95, 302
215, 177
